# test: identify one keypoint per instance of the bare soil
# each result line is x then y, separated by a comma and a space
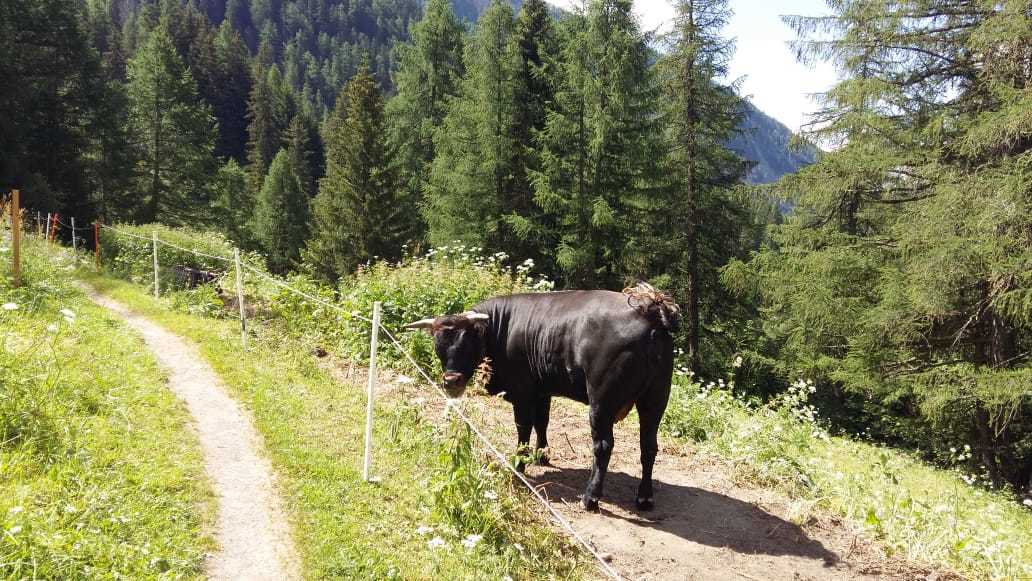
253, 534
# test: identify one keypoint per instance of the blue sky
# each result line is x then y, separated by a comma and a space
771, 77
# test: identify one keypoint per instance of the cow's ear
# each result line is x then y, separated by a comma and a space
424, 324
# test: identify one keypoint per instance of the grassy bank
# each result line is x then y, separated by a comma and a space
929, 514
100, 474
437, 513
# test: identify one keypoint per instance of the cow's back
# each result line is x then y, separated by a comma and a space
557, 342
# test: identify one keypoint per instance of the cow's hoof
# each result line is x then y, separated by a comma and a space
646, 503
590, 504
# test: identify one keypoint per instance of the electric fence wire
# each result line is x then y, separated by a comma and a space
502, 460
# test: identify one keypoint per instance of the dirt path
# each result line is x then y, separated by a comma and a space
253, 535
705, 527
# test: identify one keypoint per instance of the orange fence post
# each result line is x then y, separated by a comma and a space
16, 238
96, 242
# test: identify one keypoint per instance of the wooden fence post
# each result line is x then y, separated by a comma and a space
240, 298
370, 390
75, 254
57, 224
96, 242
46, 237
16, 238
154, 248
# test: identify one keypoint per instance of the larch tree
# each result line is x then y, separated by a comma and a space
361, 211
174, 132
903, 275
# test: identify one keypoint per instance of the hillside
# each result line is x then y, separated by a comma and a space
765, 141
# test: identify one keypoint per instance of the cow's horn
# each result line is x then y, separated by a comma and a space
475, 316
421, 324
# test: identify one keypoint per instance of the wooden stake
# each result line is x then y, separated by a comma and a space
154, 248
16, 238
370, 390
240, 298
75, 254
96, 242
47, 237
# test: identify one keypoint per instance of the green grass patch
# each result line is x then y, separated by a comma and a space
100, 474
435, 497
929, 514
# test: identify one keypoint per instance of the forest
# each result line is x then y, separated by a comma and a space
895, 271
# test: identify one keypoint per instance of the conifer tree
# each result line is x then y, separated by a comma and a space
429, 70
472, 179
234, 87
281, 215
360, 211
175, 133
903, 273
235, 203
699, 225
602, 148
269, 113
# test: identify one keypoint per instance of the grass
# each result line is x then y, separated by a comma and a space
928, 514
100, 474
433, 494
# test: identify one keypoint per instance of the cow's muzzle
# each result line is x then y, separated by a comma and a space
454, 383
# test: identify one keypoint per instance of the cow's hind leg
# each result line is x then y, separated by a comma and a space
541, 413
602, 444
650, 414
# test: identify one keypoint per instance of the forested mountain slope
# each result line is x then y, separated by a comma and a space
765, 141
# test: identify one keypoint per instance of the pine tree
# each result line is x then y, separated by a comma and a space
699, 225
429, 71
235, 204
281, 215
472, 178
360, 213
602, 148
903, 273
175, 132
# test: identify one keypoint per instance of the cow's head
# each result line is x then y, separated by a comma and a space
459, 343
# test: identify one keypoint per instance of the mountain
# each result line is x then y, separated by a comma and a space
764, 141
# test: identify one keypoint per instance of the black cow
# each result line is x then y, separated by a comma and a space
607, 349
186, 277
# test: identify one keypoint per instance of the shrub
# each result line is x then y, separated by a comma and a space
445, 280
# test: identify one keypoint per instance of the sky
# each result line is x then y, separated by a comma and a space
771, 77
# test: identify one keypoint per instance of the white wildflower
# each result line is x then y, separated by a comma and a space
490, 495
424, 530
737, 362
10, 306
15, 509
518, 547
507, 578
15, 529
403, 379
435, 543
51, 328
68, 313
471, 541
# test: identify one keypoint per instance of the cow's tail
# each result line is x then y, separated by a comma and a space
654, 304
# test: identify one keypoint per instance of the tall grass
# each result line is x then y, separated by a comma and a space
437, 511
100, 475
929, 514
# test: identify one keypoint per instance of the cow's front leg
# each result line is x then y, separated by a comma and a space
541, 413
602, 444
523, 412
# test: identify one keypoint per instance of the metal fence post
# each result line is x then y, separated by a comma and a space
370, 390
